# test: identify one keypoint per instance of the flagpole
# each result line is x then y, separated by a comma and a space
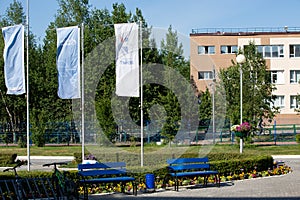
27, 86
82, 90
142, 115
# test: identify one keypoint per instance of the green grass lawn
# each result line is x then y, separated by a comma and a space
154, 156
220, 148
42, 151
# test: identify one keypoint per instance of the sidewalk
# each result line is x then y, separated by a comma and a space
36, 162
269, 188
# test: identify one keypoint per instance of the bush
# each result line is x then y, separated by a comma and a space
227, 167
78, 157
22, 143
38, 138
298, 138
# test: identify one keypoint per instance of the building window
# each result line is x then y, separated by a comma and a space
205, 75
294, 102
206, 50
277, 77
279, 102
270, 51
229, 49
294, 76
295, 50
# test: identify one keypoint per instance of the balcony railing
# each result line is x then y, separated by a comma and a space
245, 30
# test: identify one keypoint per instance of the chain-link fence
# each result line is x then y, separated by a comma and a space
67, 132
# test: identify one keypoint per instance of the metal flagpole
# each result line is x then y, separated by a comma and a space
27, 86
82, 90
141, 85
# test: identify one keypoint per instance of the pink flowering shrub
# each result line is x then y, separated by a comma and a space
244, 127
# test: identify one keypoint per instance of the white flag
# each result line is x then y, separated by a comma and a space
14, 59
68, 62
127, 60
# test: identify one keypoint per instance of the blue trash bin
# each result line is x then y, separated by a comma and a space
150, 182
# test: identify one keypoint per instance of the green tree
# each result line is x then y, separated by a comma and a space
14, 14
257, 89
13, 107
70, 13
47, 107
172, 52
172, 57
205, 108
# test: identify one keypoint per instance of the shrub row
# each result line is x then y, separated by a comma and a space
235, 166
230, 166
226, 164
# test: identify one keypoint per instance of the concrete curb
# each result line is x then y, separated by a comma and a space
285, 156
47, 157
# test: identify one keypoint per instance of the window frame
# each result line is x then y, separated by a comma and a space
269, 51
204, 50
279, 76
294, 51
293, 102
295, 80
279, 101
207, 75
229, 49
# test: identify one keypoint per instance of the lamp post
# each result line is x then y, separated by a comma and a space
213, 102
240, 59
212, 85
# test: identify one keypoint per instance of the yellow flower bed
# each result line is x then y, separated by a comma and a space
108, 188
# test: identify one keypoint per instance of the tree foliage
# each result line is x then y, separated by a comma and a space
13, 108
46, 106
257, 89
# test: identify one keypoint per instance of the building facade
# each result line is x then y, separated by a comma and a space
213, 49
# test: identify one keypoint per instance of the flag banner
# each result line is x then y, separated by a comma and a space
68, 62
14, 73
127, 60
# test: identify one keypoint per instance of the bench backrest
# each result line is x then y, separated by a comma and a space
102, 169
179, 164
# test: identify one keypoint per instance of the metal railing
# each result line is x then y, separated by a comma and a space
245, 30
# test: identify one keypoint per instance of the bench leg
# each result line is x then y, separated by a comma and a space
205, 181
218, 180
176, 184
85, 192
122, 187
134, 188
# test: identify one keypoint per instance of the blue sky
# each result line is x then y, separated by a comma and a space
183, 15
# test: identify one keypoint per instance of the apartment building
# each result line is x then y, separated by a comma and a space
213, 49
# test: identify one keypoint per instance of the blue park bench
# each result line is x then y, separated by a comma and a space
99, 173
191, 167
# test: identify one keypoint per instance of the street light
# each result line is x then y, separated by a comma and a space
240, 59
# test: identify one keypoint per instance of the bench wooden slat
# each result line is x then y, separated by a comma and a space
188, 167
102, 165
109, 180
102, 172
194, 173
186, 160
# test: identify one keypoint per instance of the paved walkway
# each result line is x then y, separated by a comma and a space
38, 161
269, 188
